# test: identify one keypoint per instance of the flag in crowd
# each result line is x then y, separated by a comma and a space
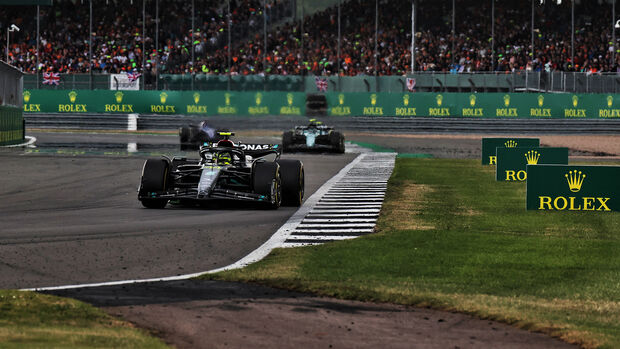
133, 76
410, 84
321, 84
51, 78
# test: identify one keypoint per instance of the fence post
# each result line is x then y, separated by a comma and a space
527, 85
574, 83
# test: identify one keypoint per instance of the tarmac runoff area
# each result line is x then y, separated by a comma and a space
63, 204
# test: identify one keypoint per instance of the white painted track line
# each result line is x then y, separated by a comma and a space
276, 240
344, 207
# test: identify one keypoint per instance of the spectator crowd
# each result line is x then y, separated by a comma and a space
119, 43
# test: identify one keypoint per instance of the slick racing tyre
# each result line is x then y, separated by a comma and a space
266, 181
293, 182
154, 180
287, 140
336, 139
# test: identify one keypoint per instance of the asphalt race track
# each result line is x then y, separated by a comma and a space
71, 215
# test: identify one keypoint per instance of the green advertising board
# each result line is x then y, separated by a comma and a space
475, 105
212, 102
391, 104
165, 102
511, 162
489, 144
573, 188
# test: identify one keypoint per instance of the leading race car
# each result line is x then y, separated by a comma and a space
314, 137
192, 136
225, 170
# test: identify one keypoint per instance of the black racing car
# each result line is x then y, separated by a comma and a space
193, 136
314, 137
225, 170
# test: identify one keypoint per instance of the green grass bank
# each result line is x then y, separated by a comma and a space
451, 237
34, 320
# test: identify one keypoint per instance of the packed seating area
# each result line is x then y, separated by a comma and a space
119, 44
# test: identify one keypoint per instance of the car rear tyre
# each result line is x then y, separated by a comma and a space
287, 140
293, 182
266, 181
337, 141
155, 175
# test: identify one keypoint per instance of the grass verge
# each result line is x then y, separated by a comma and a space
33, 320
451, 237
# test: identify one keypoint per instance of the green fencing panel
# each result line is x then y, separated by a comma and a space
476, 105
511, 162
489, 146
58, 101
344, 104
493, 105
573, 188
11, 125
395, 104
390, 104
165, 102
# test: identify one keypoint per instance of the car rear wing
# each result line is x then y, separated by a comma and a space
256, 150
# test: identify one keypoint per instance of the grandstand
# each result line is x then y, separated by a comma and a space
157, 38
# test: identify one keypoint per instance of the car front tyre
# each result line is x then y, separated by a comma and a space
155, 176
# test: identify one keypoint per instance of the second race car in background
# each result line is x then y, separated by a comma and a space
313, 137
193, 136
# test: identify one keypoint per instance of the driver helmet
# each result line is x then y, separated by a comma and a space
224, 158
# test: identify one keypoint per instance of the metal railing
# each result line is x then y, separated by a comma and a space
520, 81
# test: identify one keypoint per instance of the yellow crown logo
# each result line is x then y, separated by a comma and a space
118, 96
541, 100
575, 180
472, 100
610, 101
162, 97
196, 97
406, 100
227, 98
510, 144
373, 99
289, 98
72, 96
532, 157
575, 101
26, 96
341, 99
439, 99
506, 100
259, 98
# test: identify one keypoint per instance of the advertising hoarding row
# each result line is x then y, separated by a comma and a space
476, 105
165, 102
